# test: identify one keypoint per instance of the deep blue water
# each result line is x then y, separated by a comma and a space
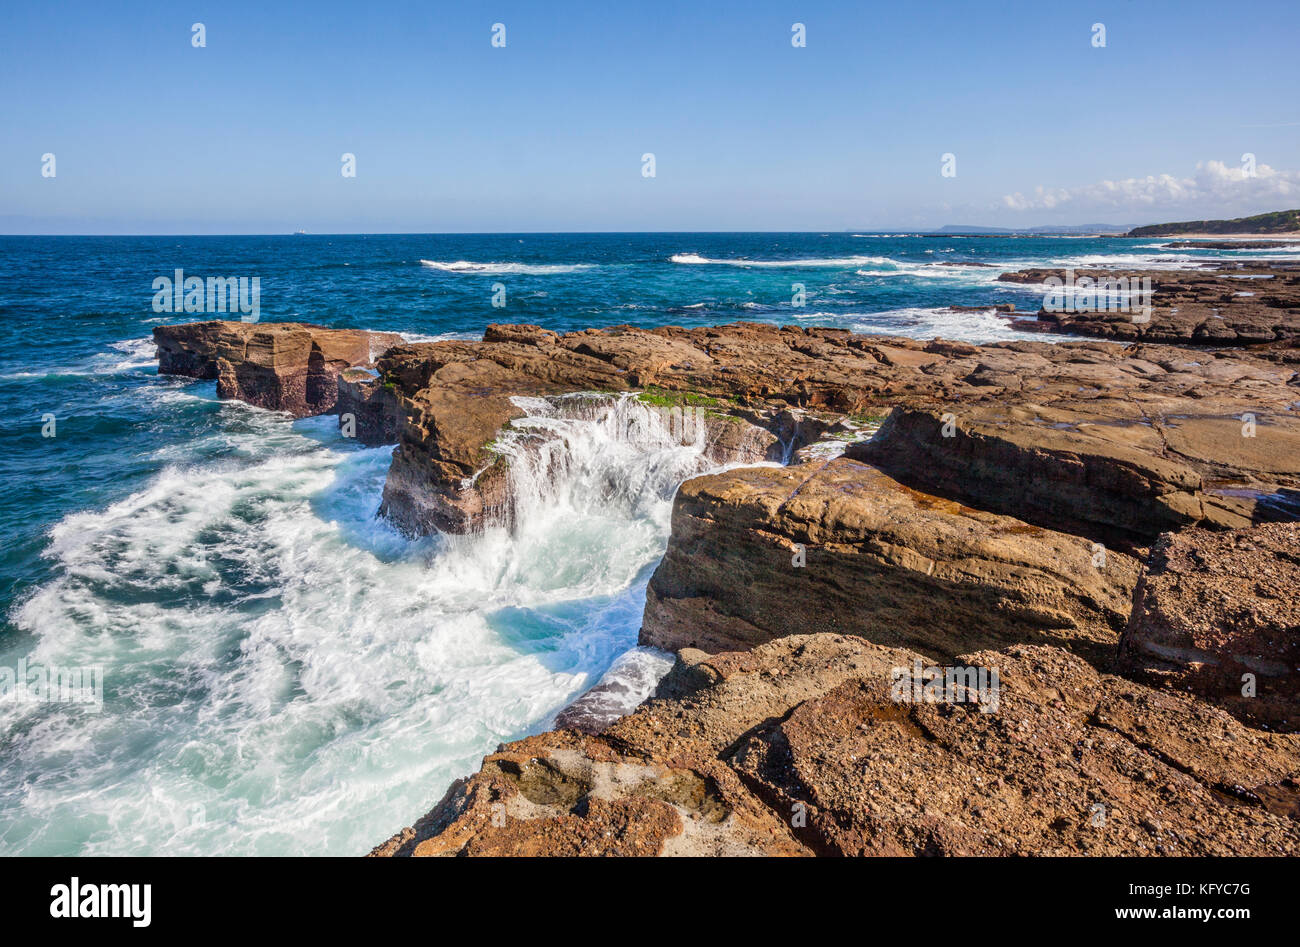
283, 672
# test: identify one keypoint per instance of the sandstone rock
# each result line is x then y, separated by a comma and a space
1241, 303
880, 560
801, 746
1214, 607
282, 366
760, 374
1118, 470
1070, 763
446, 403
375, 409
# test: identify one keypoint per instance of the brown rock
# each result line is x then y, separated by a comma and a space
1169, 410
1069, 763
882, 561
281, 366
1213, 608
1243, 303
371, 406
802, 746
1119, 471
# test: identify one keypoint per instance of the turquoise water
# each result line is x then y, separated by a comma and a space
282, 672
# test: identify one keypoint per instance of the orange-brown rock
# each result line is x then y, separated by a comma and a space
1120, 464
282, 366
763, 552
803, 746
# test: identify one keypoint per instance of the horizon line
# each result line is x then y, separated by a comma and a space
1045, 230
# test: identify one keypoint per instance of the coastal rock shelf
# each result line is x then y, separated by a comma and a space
1060, 512
1216, 614
800, 747
1245, 303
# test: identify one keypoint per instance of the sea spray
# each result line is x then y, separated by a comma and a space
288, 674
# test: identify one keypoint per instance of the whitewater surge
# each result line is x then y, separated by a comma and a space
695, 258
506, 269
981, 327
286, 674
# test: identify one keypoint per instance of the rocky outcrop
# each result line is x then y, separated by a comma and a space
767, 391
760, 553
1231, 244
808, 745
282, 366
1118, 466
987, 525
1216, 614
1244, 303
368, 408
458, 396
795, 384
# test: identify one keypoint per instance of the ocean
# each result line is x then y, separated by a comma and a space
282, 672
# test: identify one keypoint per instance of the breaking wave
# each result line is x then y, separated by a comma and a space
505, 269
286, 674
695, 258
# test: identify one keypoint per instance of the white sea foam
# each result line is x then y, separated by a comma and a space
847, 261
126, 357
961, 272
284, 673
414, 337
530, 269
927, 323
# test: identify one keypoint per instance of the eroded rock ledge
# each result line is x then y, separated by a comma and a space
1239, 303
800, 747
1114, 443
759, 553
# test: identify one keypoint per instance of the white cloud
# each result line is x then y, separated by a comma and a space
1213, 184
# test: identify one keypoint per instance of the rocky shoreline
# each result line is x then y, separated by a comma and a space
1113, 529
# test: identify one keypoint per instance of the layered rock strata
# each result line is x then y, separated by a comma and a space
1000, 518
758, 553
282, 366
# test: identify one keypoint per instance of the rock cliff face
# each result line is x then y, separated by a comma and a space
372, 407
1162, 407
759, 553
283, 366
801, 746
1120, 471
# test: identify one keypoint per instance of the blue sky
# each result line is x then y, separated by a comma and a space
152, 135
